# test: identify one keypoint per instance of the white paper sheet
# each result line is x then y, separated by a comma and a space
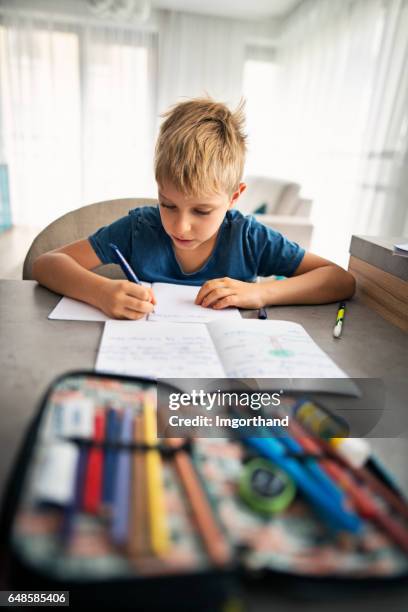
68, 309
158, 350
176, 303
270, 349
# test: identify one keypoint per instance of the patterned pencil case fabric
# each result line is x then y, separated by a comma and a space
79, 505
79, 510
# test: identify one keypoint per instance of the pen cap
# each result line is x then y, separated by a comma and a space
355, 450
320, 422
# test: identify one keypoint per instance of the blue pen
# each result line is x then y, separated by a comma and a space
329, 509
120, 518
127, 270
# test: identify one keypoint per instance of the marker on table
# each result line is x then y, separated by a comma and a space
339, 320
127, 270
262, 314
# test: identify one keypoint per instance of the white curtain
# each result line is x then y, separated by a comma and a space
81, 103
80, 107
78, 114
342, 98
382, 197
200, 55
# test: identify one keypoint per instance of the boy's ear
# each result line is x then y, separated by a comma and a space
236, 194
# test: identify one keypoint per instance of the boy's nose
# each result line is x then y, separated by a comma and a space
183, 226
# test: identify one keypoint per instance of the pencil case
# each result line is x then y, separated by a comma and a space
89, 447
77, 546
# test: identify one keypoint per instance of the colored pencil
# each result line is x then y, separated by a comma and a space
159, 537
76, 504
94, 468
362, 499
211, 534
138, 541
121, 495
113, 424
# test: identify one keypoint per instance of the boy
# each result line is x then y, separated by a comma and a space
194, 236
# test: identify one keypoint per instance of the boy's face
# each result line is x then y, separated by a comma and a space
192, 221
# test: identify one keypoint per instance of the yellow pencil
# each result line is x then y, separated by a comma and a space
159, 536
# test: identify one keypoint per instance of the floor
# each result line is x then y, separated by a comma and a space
14, 244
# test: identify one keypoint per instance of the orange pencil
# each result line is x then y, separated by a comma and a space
212, 535
139, 524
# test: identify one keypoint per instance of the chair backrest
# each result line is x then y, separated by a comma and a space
78, 224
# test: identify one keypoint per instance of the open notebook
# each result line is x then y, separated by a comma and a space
248, 348
175, 303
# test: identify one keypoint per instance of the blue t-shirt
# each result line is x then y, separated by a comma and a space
244, 249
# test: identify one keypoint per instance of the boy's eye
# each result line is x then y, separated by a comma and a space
172, 207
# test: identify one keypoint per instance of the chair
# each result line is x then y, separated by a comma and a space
78, 224
277, 203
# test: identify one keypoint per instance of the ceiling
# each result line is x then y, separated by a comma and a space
240, 9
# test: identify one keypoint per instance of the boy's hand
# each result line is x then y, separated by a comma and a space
122, 299
223, 292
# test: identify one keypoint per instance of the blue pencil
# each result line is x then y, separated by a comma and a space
111, 454
121, 501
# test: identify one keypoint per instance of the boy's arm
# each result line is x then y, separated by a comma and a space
315, 281
67, 270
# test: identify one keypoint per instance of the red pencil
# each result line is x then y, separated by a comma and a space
94, 469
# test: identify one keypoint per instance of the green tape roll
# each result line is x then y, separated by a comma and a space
265, 488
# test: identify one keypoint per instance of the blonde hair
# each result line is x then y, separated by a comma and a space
201, 147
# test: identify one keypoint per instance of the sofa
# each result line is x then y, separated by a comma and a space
278, 204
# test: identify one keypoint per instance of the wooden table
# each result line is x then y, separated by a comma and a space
34, 350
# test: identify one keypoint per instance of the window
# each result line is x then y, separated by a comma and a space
260, 91
78, 109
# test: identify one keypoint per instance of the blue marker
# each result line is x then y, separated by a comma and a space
127, 270
314, 468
